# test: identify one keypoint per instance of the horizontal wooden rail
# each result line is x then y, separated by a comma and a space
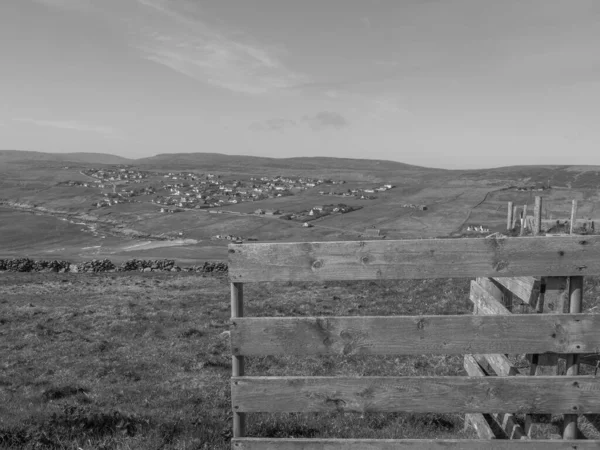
410, 335
416, 259
543, 394
409, 444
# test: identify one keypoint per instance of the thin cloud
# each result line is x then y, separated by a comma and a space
188, 44
76, 5
326, 119
276, 124
71, 125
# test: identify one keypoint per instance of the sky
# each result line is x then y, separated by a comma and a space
437, 83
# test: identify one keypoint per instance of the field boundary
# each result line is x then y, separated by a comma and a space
542, 277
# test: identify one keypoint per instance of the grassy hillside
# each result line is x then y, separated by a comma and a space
141, 361
454, 199
9, 156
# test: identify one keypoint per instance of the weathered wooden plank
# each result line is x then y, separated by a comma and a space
416, 259
556, 295
509, 218
485, 300
510, 426
237, 362
459, 394
526, 289
570, 430
552, 300
485, 294
409, 444
537, 216
573, 216
499, 363
505, 421
413, 335
485, 303
477, 420
491, 287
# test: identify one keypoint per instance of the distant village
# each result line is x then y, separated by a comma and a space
180, 191
177, 191
362, 194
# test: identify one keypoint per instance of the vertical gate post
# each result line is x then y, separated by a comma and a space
575, 300
573, 216
509, 217
537, 216
523, 221
237, 362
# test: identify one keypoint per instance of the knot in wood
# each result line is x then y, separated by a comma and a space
365, 259
317, 265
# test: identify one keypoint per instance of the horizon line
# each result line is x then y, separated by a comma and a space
295, 157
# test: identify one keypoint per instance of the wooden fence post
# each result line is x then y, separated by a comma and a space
573, 216
575, 298
537, 216
523, 221
237, 362
509, 218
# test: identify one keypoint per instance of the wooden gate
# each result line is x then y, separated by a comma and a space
510, 271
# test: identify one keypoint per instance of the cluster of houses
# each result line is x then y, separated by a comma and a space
268, 212
531, 188
118, 174
419, 207
111, 199
229, 237
362, 194
213, 191
187, 190
320, 211
74, 183
478, 229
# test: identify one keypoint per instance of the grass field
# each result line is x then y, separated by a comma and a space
122, 361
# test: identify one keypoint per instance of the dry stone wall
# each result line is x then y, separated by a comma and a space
106, 265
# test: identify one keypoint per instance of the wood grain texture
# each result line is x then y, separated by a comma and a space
537, 216
553, 300
493, 288
506, 421
480, 423
409, 444
237, 362
526, 289
543, 394
499, 363
570, 430
415, 259
477, 420
484, 295
414, 335
484, 302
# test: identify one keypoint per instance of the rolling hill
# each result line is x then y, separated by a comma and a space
454, 199
21, 156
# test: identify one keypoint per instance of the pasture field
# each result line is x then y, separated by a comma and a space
142, 361
454, 200
556, 205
